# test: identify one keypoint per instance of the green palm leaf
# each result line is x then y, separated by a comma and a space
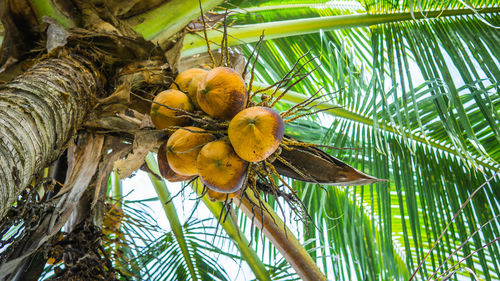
166, 261
418, 82
430, 92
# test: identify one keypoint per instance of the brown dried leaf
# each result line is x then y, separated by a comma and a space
82, 162
144, 142
139, 74
120, 96
147, 122
173, 50
115, 149
113, 123
311, 164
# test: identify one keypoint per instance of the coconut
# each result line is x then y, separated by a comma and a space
188, 82
256, 132
220, 197
220, 168
164, 117
222, 94
183, 148
165, 169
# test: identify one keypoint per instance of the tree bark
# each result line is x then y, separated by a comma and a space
40, 112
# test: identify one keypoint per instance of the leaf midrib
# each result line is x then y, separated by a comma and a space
293, 97
249, 33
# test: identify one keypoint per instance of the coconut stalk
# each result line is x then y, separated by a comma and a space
228, 224
117, 194
51, 9
117, 191
282, 238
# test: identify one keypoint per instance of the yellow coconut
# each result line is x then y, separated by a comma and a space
164, 117
188, 81
220, 168
183, 147
222, 94
256, 132
165, 169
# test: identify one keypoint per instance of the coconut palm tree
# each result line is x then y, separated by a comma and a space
411, 86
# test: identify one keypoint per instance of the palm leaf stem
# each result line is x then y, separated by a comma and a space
117, 190
232, 229
280, 236
295, 98
170, 211
319, 5
169, 18
163, 21
117, 195
244, 34
50, 8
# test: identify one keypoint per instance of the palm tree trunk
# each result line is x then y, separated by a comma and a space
40, 112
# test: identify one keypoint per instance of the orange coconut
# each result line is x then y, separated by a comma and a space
183, 147
188, 81
256, 132
164, 167
164, 117
222, 94
220, 197
220, 168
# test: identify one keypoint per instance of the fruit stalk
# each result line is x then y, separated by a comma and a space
281, 237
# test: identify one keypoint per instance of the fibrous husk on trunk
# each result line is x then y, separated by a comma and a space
81, 171
41, 112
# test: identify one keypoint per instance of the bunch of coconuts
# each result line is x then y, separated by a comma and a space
219, 159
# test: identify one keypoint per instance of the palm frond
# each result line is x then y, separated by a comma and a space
166, 261
421, 103
422, 5
433, 103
